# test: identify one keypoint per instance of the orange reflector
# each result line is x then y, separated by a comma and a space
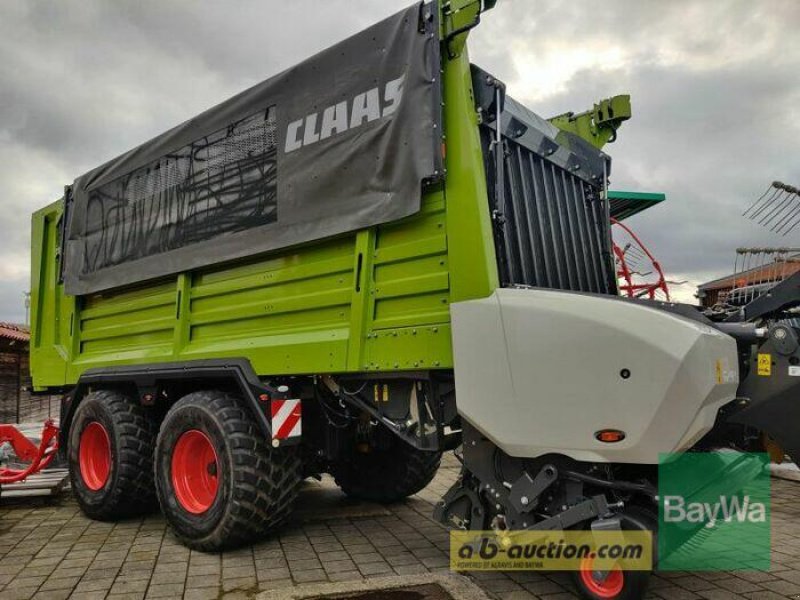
610, 436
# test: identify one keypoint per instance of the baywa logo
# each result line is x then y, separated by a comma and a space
714, 511
727, 510
374, 104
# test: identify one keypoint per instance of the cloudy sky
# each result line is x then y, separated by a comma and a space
715, 88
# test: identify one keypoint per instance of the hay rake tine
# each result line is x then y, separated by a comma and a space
756, 203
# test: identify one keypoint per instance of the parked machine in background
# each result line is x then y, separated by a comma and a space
350, 271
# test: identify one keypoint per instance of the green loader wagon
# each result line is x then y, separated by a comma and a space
364, 261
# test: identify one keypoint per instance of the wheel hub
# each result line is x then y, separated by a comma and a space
194, 472
604, 584
94, 456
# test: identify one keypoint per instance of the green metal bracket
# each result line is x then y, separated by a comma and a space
599, 125
458, 17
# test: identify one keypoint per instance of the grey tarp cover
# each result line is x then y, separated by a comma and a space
342, 141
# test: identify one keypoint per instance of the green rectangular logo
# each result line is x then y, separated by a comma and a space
714, 511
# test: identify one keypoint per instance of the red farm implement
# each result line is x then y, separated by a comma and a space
33, 458
640, 275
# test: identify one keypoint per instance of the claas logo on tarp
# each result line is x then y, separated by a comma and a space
363, 108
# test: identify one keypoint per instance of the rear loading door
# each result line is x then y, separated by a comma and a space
551, 217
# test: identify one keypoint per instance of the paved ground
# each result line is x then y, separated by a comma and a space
50, 550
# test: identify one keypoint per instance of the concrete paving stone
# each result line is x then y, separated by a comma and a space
337, 566
345, 576
719, 594
105, 566
59, 583
93, 585
273, 574
374, 568
270, 563
402, 559
540, 588
329, 548
62, 573
99, 595
309, 575
755, 576
34, 569
198, 558
134, 576
140, 558
238, 583
358, 548
308, 563
295, 556
80, 558
127, 596
123, 586
24, 581
203, 581
563, 595
693, 583
19, 593
739, 585
62, 594
236, 595
518, 595
673, 592
262, 553
136, 570
501, 586
165, 590
435, 561
171, 566
210, 593
203, 570
414, 569
165, 578
235, 572
427, 553
526, 576
764, 595
11, 569
781, 586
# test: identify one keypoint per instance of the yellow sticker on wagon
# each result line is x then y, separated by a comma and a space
765, 364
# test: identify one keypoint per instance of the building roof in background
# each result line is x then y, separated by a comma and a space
760, 274
15, 332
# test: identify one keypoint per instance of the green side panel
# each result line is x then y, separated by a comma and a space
409, 293
376, 299
51, 311
473, 263
626, 204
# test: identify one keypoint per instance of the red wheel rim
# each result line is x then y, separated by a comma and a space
608, 587
94, 456
194, 472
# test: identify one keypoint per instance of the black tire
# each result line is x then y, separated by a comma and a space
256, 484
131, 434
634, 583
385, 472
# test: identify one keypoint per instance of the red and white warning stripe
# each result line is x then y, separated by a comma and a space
286, 419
